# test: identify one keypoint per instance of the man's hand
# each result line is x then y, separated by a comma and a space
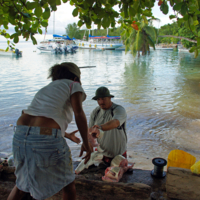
95, 132
72, 137
88, 150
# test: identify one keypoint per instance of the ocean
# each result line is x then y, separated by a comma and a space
160, 92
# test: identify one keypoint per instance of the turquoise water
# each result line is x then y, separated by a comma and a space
160, 92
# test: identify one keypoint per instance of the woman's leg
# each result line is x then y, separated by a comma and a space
16, 194
69, 192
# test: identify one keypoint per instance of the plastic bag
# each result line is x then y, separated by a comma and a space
180, 158
196, 168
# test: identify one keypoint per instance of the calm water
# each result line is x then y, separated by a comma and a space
160, 92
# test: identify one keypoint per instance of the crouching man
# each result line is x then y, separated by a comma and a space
111, 119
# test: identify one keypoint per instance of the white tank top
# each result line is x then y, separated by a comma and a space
53, 101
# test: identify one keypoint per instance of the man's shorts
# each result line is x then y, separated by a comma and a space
42, 160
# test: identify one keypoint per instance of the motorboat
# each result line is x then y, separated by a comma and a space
122, 48
11, 52
46, 48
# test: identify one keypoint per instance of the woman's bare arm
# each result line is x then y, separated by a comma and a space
81, 121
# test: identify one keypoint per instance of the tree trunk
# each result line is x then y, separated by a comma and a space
180, 37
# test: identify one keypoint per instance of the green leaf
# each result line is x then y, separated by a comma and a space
46, 13
106, 22
191, 20
125, 9
177, 6
34, 40
97, 21
54, 7
27, 15
172, 16
51, 2
8, 42
75, 12
38, 11
7, 36
145, 19
198, 41
5, 24
192, 49
40, 31
80, 23
7, 47
58, 2
35, 25
65, 1
31, 5
164, 8
16, 39
12, 36
5, 9
183, 9
132, 11
147, 13
44, 23
196, 52
171, 3
113, 24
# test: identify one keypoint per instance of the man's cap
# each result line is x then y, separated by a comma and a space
73, 68
102, 92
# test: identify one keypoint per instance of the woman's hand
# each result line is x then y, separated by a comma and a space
88, 150
72, 137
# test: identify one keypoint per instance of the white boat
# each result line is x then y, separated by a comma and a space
14, 52
46, 48
58, 45
99, 49
183, 50
99, 42
159, 47
122, 48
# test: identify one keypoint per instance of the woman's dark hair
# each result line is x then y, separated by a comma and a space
57, 72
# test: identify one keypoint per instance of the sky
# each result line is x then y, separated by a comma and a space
63, 16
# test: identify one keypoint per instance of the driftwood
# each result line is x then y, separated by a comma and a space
90, 189
99, 190
136, 185
182, 184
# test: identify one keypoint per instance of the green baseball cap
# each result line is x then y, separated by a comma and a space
102, 92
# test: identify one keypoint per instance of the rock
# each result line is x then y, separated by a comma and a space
182, 184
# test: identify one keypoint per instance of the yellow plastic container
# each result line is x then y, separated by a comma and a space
196, 168
180, 158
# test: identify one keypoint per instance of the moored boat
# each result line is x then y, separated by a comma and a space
15, 52
100, 42
46, 48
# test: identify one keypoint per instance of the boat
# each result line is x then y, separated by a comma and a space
160, 47
46, 48
99, 42
99, 49
13, 52
122, 48
58, 45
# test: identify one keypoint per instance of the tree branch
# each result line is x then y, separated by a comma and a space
180, 37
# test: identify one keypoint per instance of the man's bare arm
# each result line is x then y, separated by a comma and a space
109, 125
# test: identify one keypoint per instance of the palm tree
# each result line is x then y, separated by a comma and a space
140, 36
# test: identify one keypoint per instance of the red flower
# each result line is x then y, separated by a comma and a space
160, 2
